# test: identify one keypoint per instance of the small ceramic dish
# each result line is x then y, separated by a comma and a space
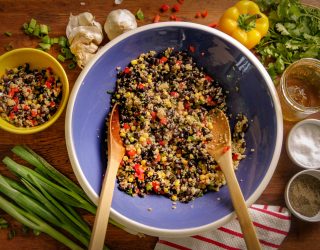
303, 144
302, 195
37, 60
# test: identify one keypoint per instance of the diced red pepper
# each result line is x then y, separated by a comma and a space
173, 17
208, 78
162, 143
34, 112
225, 149
141, 86
187, 105
149, 141
156, 18
48, 84
131, 153
210, 102
121, 162
204, 13
192, 49
126, 70
153, 115
213, 25
139, 172
179, 62
26, 107
52, 104
164, 7
15, 108
156, 186
12, 115
163, 120
158, 158
198, 14
163, 59
126, 126
174, 94
176, 7
235, 156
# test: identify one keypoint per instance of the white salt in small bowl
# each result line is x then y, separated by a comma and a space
289, 197
303, 144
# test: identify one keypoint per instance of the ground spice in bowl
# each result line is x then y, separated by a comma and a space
304, 195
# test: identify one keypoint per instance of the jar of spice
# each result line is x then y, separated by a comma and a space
302, 195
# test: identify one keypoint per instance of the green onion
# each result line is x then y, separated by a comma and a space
140, 14
55, 40
44, 29
45, 46
32, 221
36, 160
61, 193
46, 39
71, 65
61, 58
32, 24
36, 31
25, 26
63, 41
8, 33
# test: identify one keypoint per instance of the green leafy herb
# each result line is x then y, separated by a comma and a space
140, 14
294, 33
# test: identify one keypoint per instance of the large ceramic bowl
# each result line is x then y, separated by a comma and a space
37, 59
251, 92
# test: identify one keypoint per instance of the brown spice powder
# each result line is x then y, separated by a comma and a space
304, 195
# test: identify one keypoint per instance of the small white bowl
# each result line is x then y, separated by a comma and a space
298, 151
315, 173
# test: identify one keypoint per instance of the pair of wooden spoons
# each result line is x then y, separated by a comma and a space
219, 148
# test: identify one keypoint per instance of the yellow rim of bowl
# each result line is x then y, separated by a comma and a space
65, 94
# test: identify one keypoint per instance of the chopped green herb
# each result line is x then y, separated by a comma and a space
61, 58
140, 14
293, 34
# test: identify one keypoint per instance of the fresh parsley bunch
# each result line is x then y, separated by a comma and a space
294, 33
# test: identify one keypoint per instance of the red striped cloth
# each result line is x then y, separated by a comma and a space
272, 224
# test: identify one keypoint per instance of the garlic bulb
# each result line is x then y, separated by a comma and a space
118, 22
84, 35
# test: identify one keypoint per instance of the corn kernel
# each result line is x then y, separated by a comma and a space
123, 134
174, 197
127, 95
202, 177
131, 139
130, 179
163, 158
209, 125
125, 158
142, 139
143, 162
142, 66
133, 62
138, 151
133, 128
117, 96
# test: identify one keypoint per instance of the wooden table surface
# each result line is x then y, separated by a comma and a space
51, 142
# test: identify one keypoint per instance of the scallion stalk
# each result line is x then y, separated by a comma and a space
44, 29
35, 223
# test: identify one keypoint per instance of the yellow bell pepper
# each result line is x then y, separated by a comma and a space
245, 22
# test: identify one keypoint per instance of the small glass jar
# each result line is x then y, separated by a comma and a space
299, 89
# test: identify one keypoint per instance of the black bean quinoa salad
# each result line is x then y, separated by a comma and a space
164, 99
29, 97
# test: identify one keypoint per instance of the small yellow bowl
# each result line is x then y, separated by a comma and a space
37, 60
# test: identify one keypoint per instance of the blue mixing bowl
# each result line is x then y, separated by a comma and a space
251, 91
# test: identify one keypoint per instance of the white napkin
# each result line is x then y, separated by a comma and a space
272, 224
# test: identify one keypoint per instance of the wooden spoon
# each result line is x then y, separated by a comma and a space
220, 149
115, 154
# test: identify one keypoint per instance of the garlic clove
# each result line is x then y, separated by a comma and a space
118, 22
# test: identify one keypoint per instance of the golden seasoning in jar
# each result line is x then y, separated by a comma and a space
299, 89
